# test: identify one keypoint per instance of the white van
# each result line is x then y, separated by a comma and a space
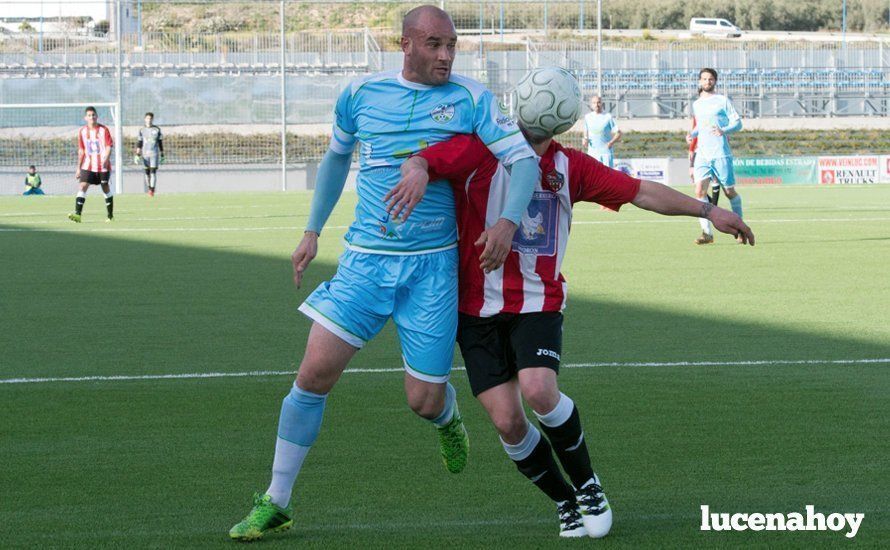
713, 26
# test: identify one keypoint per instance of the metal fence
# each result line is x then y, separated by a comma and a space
222, 97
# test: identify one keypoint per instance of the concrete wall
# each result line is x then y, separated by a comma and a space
201, 179
182, 179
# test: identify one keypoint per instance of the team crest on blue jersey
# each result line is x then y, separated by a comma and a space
443, 113
554, 181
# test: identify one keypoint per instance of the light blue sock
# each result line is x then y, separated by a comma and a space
736, 204
301, 413
450, 405
298, 427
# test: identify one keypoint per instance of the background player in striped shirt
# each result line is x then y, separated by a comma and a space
150, 151
392, 267
510, 324
94, 144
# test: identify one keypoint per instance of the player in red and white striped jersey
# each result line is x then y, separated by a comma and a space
510, 327
94, 145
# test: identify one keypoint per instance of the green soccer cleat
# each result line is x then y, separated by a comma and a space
265, 517
74, 217
454, 444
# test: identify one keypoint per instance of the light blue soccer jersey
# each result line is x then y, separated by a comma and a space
392, 119
600, 127
714, 111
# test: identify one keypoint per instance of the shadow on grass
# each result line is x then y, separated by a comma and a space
84, 304
144, 464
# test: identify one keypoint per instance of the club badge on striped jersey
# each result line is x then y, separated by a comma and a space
553, 181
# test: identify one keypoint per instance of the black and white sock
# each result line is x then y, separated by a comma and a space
109, 203
562, 426
534, 459
78, 202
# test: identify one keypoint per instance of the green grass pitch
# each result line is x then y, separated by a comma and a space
201, 283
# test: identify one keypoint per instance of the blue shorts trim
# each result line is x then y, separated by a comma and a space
331, 325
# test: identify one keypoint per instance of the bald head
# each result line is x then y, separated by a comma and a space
596, 104
429, 42
422, 17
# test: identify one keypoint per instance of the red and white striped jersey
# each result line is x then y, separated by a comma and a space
95, 142
530, 279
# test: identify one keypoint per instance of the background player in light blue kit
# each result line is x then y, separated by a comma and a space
600, 132
715, 119
393, 268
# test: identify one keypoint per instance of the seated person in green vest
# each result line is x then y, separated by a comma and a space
32, 182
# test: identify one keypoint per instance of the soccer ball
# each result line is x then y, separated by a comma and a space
547, 101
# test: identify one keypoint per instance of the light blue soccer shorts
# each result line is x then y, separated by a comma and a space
419, 292
604, 156
720, 169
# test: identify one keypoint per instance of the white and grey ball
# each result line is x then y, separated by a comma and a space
547, 101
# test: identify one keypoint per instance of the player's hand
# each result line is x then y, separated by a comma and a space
163, 159
729, 222
689, 139
402, 198
716, 131
497, 241
304, 253
77, 174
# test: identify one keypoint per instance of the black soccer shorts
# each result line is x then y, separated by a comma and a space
496, 348
94, 178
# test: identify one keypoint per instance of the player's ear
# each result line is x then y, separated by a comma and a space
405, 44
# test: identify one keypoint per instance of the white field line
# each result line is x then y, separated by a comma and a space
76, 229
181, 219
253, 374
158, 229
193, 208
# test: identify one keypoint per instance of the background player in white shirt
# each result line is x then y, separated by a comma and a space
601, 132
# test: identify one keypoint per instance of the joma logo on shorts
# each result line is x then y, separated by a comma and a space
548, 353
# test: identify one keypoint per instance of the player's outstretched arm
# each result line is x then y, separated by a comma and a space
661, 199
402, 198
